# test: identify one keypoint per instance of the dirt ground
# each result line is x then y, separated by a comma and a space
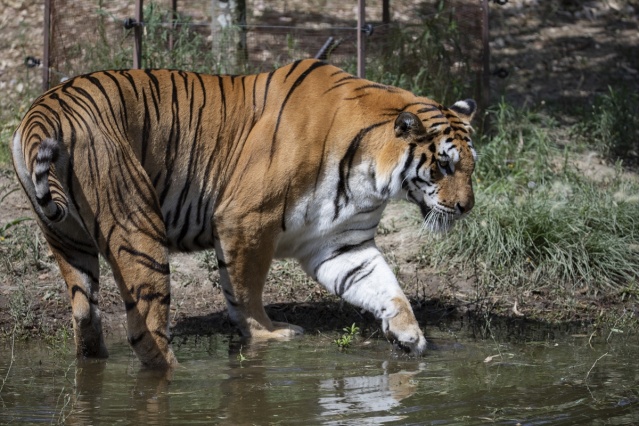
554, 55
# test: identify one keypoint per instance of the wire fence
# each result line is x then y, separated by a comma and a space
236, 36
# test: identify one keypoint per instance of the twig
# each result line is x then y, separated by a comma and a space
13, 338
588, 374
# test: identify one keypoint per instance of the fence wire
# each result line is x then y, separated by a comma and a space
89, 34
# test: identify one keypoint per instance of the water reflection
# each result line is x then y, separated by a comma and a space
144, 397
308, 381
368, 394
272, 388
242, 384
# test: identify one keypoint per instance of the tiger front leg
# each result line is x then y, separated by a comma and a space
359, 274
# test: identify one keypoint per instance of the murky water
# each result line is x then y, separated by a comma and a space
572, 381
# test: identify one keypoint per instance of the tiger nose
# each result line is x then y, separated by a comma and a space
465, 207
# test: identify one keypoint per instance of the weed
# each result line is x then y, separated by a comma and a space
345, 341
612, 126
20, 310
190, 49
241, 357
10, 224
208, 260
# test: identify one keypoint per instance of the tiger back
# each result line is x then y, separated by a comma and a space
299, 162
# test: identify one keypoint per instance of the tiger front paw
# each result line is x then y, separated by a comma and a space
403, 330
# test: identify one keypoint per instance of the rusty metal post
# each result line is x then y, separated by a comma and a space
137, 33
485, 80
361, 39
47, 38
173, 23
386, 11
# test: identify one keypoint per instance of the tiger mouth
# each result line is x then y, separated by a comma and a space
427, 211
401, 347
436, 219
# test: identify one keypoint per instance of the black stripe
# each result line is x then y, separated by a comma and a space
421, 162
75, 289
345, 165
134, 340
407, 163
340, 251
147, 260
223, 98
353, 276
172, 147
230, 300
45, 199
293, 66
284, 208
123, 109
428, 108
254, 97
368, 228
376, 86
39, 176
165, 299
96, 82
268, 83
294, 86
341, 82
146, 129
156, 85
132, 82
185, 227
161, 334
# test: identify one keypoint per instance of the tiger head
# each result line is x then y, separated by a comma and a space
437, 173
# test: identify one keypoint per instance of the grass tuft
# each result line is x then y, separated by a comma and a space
612, 126
538, 224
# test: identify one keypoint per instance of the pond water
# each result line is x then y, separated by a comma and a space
574, 380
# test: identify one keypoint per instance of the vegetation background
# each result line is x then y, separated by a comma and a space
553, 239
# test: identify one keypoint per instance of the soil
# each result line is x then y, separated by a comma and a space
553, 55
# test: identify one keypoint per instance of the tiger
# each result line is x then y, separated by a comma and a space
299, 163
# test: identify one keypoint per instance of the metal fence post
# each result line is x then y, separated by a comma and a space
485, 80
173, 22
386, 12
137, 32
45, 54
361, 39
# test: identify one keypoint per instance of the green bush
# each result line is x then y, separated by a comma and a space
612, 126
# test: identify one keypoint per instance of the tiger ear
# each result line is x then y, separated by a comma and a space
465, 109
408, 124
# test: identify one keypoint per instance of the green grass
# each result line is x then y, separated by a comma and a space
612, 126
537, 223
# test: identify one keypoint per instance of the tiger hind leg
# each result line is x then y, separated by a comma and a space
141, 269
80, 269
